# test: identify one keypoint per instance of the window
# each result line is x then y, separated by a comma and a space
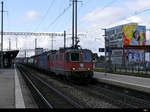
49, 57
75, 57
67, 57
56, 57
86, 57
61, 57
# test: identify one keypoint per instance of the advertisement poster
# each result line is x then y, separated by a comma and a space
136, 36
134, 56
114, 36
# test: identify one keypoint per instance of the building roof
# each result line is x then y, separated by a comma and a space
10, 54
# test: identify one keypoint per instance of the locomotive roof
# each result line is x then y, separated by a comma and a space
70, 49
62, 50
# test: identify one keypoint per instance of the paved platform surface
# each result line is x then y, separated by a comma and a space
136, 83
13, 90
7, 87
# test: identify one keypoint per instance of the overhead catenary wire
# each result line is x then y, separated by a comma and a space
104, 7
113, 1
61, 14
66, 23
136, 13
142, 10
58, 25
45, 15
58, 17
107, 5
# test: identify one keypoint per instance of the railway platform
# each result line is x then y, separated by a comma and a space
131, 82
13, 91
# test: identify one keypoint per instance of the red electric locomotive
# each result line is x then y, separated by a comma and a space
71, 63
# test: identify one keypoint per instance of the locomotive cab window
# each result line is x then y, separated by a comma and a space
75, 57
86, 57
61, 57
67, 57
56, 57
49, 57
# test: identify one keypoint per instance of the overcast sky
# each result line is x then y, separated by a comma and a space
93, 15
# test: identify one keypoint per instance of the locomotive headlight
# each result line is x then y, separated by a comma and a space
73, 69
88, 68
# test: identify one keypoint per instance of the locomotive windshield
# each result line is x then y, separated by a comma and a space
72, 57
75, 57
86, 57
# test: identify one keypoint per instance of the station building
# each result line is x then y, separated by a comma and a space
118, 37
9, 58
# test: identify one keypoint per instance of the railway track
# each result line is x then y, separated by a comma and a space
121, 97
46, 95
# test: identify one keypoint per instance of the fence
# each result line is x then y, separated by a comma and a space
131, 68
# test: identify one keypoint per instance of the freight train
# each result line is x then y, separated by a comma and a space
67, 62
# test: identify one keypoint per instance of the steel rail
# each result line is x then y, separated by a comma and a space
60, 93
93, 92
69, 100
39, 93
79, 87
121, 94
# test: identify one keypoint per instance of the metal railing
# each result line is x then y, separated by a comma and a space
129, 68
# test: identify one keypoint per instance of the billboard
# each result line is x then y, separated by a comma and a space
114, 36
136, 36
